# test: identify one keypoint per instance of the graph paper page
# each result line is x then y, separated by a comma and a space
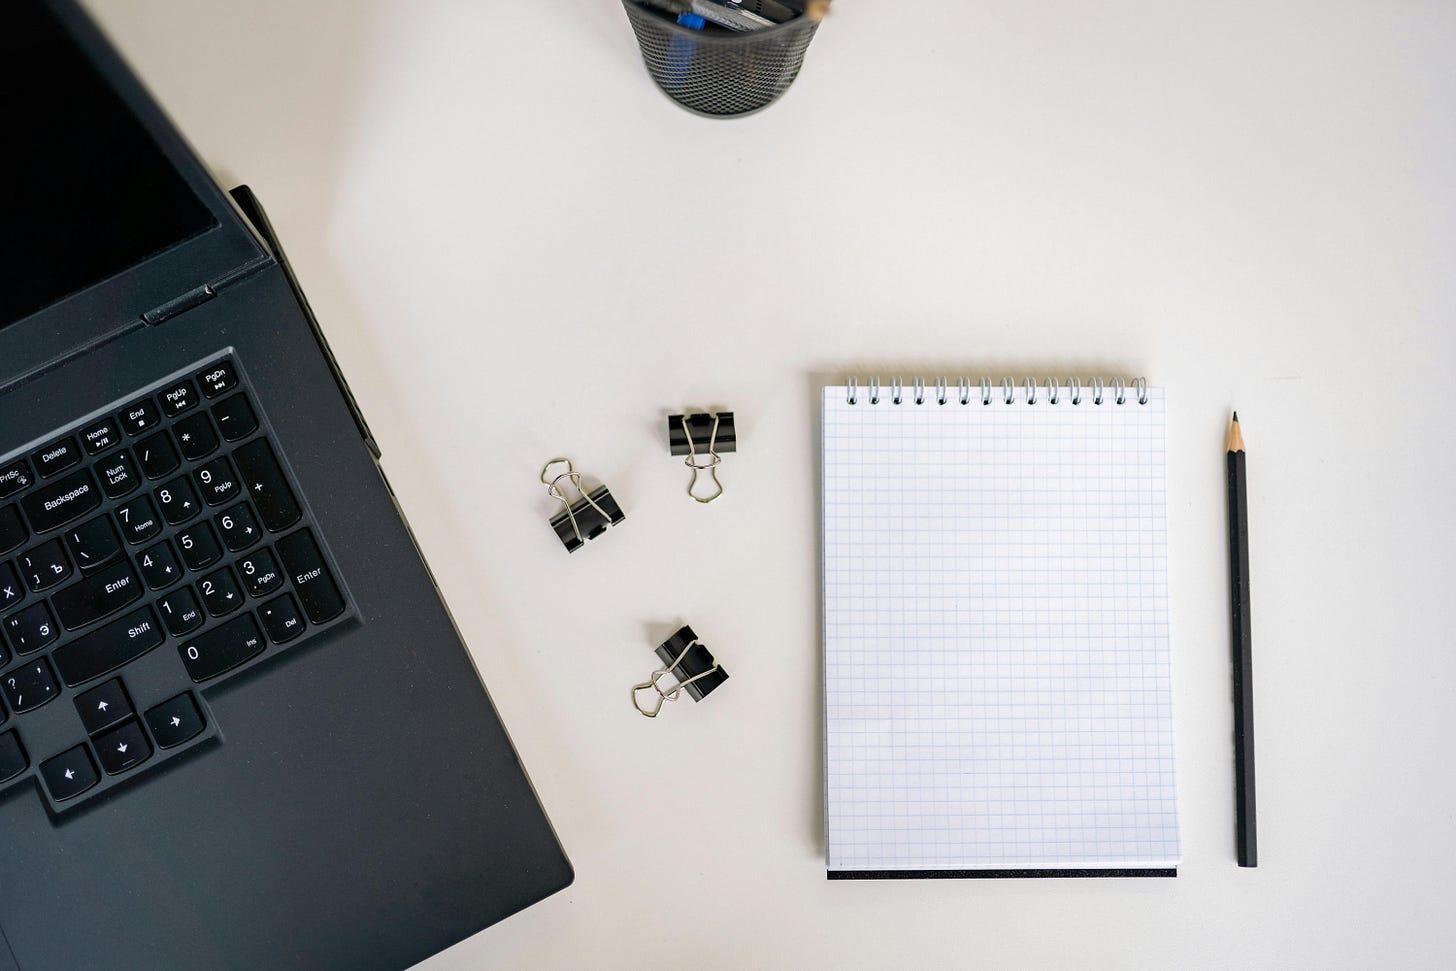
997, 683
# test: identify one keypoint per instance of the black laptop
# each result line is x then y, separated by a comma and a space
237, 726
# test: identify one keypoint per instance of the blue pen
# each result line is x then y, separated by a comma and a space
681, 50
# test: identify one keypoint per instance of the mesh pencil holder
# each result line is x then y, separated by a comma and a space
720, 74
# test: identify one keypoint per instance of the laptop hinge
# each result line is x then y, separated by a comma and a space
180, 305
200, 295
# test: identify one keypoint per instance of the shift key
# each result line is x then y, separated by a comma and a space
108, 648
57, 503
96, 596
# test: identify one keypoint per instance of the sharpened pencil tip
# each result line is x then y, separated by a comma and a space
1235, 435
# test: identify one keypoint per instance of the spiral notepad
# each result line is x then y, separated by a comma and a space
997, 676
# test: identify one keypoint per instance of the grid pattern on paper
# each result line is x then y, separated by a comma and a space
998, 691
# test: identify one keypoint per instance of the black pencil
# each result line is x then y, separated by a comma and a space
1243, 660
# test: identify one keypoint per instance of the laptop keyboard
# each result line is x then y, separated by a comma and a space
168, 521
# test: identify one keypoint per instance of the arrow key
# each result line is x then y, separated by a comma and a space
177, 500
174, 722
69, 774
104, 706
123, 748
238, 528
220, 592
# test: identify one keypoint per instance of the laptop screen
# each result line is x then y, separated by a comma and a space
84, 191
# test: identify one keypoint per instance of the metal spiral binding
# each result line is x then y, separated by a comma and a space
1052, 391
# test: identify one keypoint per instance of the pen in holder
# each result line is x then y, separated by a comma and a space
724, 57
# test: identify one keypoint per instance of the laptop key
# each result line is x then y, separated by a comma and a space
220, 592
140, 418
235, 418
199, 547
157, 456
69, 774
93, 544
12, 530
45, 566
104, 706
100, 436
260, 573
29, 686
216, 482
180, 612
195, 436
178, 398
305, 565
61, 501
118, 475
108, 648
12, 757
97, 596
222, 649
174, 722
281, 619
14, 477
31, 629
138, 520
238, 528
56, 457
11, 592
178, 501
217, 379
265, 483
159, 566
123, 748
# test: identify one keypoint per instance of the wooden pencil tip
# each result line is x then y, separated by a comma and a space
1235, 435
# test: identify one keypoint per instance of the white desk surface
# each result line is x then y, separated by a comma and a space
519, 249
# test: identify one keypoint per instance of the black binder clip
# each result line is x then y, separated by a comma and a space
689, 664
695, 435
586, 518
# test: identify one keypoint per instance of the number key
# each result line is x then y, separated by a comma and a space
238, 528
216, 482
180, 612
260, 573
159, 566
199, 547
178, 501
138, 520
220, 593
